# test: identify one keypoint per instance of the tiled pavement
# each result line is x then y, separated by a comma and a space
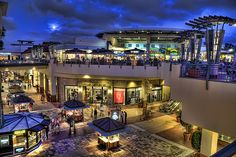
134, 141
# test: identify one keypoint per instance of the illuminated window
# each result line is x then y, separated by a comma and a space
4, 141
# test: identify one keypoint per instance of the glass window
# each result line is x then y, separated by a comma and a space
144, 45
71, 93
129, 45
153, 45
133, 95
137, 45
4, 141
32, 137
19, 138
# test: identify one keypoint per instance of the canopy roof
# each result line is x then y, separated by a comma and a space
210, 21
21, 99
107, 126
102, 51
74, 105
24, 121
75, 51
134, 51
14, 87
15, 81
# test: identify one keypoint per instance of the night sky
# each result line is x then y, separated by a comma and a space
63, 20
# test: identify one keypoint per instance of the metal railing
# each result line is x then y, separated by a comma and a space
223, 72
24, 62
113, 62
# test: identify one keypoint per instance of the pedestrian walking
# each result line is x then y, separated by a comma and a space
121, 117
95, 113
125, 114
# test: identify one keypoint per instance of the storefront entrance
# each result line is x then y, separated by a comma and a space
155, 95
134, 95
71, 93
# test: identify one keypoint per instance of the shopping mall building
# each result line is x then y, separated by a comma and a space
208, 97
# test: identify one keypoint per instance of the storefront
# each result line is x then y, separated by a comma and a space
71, 93
155, 94
17, 137
95, 94
134, 95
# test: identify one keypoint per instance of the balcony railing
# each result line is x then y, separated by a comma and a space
23, 62
113, 62
215, 72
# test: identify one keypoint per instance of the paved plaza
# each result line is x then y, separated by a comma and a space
134, 142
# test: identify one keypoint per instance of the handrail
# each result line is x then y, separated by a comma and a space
229, 150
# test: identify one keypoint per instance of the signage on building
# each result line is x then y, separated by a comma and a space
119, 96
115, 115
19, 150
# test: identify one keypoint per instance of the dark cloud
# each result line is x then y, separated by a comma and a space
9, 23
87, 17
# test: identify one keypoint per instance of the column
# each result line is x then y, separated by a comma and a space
53, 88
144, 90
41, 83
219, 41
192, 49
148, 46
182, 51
199, 46
209, 142
36, 79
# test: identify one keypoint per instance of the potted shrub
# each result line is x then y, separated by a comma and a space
188, 130
178, 115
196, 140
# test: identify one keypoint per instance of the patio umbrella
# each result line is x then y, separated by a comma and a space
74, 105
75, 51
21, 99
24, 121
107, 126
102, 51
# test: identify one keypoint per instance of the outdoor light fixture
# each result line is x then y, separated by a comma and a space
231, 50
86, 76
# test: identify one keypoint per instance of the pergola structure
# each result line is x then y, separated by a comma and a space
191, 43
214, 27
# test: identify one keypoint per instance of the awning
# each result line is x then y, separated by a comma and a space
21, 99
102, 51
74, 105
75, 51
37, 128
14, 87
23, 121
107, 126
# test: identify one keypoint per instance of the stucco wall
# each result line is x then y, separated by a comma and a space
213, 109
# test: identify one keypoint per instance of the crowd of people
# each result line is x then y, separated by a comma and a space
114, 61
